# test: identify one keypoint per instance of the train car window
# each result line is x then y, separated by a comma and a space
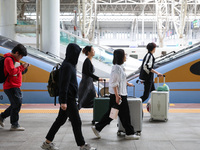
7, 43
43, 56
195, 68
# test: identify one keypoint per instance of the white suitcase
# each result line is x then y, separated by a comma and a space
159, 105
135, 107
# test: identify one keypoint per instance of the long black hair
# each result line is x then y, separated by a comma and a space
118, 56
86, 50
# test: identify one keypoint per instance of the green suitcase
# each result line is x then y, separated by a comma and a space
100, 107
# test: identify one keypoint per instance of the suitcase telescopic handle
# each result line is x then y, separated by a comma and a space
104, 84
133, 90
98, 88
158, 79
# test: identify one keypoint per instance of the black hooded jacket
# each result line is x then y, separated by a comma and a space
68, 86
147, 66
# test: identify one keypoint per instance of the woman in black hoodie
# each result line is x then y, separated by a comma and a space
68, 89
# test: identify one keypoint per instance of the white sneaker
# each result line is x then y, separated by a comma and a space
132, 137
50, 146
87, 147
17, 128
96, 132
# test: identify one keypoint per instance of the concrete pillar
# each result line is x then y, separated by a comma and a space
8, 18
132, 30
143, 27
51, 26
75, 24
37, 24
98, 35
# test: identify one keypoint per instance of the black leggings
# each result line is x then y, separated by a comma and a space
148, 87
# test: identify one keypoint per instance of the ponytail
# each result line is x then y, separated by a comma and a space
86, 50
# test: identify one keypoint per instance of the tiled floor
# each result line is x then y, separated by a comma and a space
181, 132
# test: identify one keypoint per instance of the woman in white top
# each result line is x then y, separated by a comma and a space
118, 91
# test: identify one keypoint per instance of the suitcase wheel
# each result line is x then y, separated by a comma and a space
151, 119
93, 122
119, 133
138, 133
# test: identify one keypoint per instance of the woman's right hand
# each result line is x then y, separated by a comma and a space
63, 106
100, 79
118, 98
159, 74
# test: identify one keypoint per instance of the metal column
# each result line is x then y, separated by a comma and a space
8, 18
51, 26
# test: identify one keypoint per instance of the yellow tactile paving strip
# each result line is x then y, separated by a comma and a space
38, 111
46, 110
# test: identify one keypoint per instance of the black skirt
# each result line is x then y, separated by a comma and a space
86, 92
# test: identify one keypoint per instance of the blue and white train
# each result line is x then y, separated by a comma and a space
182, 70
34, 82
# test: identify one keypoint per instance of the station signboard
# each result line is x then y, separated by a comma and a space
195, 24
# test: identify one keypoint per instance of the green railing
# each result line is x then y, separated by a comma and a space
27, 22
101, 53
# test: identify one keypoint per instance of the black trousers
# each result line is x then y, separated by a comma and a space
15, 98
124, 115
148, 87
73, 114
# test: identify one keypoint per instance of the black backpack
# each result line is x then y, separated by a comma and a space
2, 75
53, 83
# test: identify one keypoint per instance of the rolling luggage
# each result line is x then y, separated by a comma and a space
159, 104
100, 107
135, 107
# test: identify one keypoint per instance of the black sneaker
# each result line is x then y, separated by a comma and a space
1, 121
